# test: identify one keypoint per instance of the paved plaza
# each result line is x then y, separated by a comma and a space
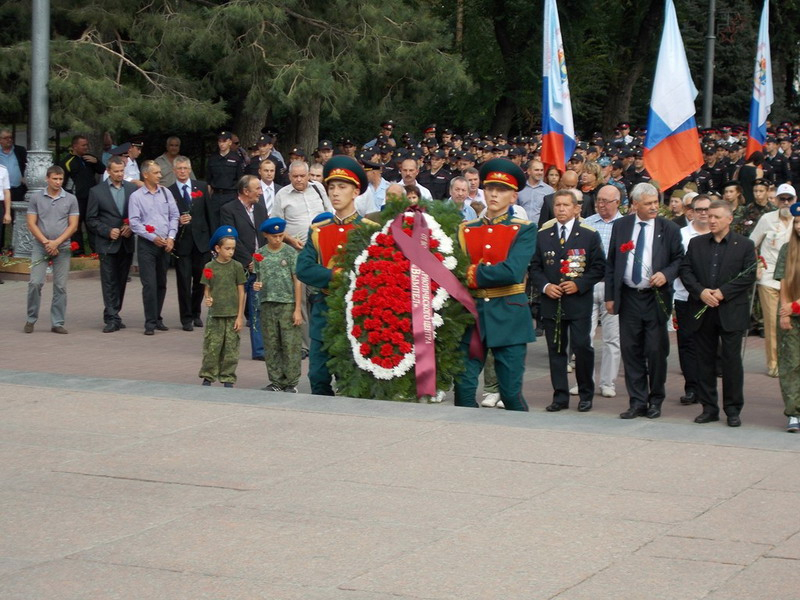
125, 479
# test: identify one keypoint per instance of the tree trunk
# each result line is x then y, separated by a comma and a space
632, 60
308, 126
248, 127
504, 112
460, 26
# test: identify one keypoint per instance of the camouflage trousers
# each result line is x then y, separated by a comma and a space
789, 367
489, 374
220, 350
282, 343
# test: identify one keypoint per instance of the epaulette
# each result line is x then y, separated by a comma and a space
472, 223
548, 224
369, 222
585, 226
319, 224
518, 221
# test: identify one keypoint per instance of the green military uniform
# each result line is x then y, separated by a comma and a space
788, 350
221, 341
283, 340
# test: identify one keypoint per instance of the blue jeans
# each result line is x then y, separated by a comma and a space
253, 314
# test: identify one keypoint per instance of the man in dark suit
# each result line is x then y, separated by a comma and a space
269, 187
14, 158
569, 260
107, 219
712, 271
644, 256
191, 245
246, 214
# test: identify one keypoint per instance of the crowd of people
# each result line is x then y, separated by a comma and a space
597, 244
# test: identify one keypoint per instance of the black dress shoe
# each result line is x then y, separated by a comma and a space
734, 421
688, 399
198, 322
653, 412
110, 328
121, 325
188, 327
584, 406
161, 327
149, 332
632, 413
706, 418
555, 407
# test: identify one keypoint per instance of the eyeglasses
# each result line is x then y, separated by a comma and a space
785, 198
698, 209
599, 201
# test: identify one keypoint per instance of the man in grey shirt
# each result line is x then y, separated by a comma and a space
53, 217
531, 197
299, 203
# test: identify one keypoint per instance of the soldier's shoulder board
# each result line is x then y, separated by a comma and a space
585, 226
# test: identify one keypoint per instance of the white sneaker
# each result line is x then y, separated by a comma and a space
573, 391
439, 396
499, 404
490, 400
606, 391
794, 425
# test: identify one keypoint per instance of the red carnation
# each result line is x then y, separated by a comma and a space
374, 251
374, 337
404, 347
356, 331
439, 256
258, 257
74, 246
627, 246
365, 349
387, 350
208, 273
763, 261
564, 268
126, 221
149, 229
388, 363
376, 360
196, 194
434, 244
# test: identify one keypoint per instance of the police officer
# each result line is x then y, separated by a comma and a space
437, 178
499, 248
224, 170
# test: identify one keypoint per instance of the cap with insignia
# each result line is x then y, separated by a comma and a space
120, 150
345, 168
438, 154
322, 217
222, 232
325, 145
265, 140
297, 152
273, 225
388, 124
431, 143
430, 128
369, 159
225, 135
347, 142
503, 171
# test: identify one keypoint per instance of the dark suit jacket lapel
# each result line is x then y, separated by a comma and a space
658, 244
109, 199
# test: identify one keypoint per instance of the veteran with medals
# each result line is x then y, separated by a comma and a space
344, 181
569, 260
499, 247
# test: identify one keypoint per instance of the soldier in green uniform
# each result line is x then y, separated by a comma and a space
280, 294
223, 279
345, 180
499, 247
789, 324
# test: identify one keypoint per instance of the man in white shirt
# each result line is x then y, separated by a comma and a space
531, 197
266, 173
299, 203
476, 197
686, 350
772, 231
409, 169
374, 198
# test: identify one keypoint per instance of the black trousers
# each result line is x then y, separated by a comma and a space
686, 350
645, 347
708, 337
215, 203
83, 204
113, 281
188, 276
575, 338
153, 273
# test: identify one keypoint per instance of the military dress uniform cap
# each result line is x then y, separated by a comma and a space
386, 148
518, 152
222, 232
468, 156
120, 150
623, 125
389, 124
430, 128
771, 140
137, 142
225, 135
273, 225
345, 168
297, 152
576, 158
708, 150
325, 145
369, 159
438, 154
638, 154
431, 143
265, 140
503, 171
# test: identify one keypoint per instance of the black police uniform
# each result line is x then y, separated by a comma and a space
223, 173
437, 183
776, 168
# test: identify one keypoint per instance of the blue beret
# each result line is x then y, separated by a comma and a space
795, 209
222, 232
322, 217
273, 225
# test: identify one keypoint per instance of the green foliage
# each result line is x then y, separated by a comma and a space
350, 379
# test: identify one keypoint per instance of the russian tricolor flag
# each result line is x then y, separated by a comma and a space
558, 132
761, 103
672, 146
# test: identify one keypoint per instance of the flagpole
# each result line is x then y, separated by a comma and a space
708, 84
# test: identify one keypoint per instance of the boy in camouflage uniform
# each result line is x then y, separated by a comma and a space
224, 280
281, 307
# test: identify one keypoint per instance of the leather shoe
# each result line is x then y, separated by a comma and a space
188, 327
198, 322
653, 412
632, 413
734, 421
121, 325
28, 327
706, 418
688, 399
59, 329
149, 332
584, 406
110, 328
555, 407
161, 327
